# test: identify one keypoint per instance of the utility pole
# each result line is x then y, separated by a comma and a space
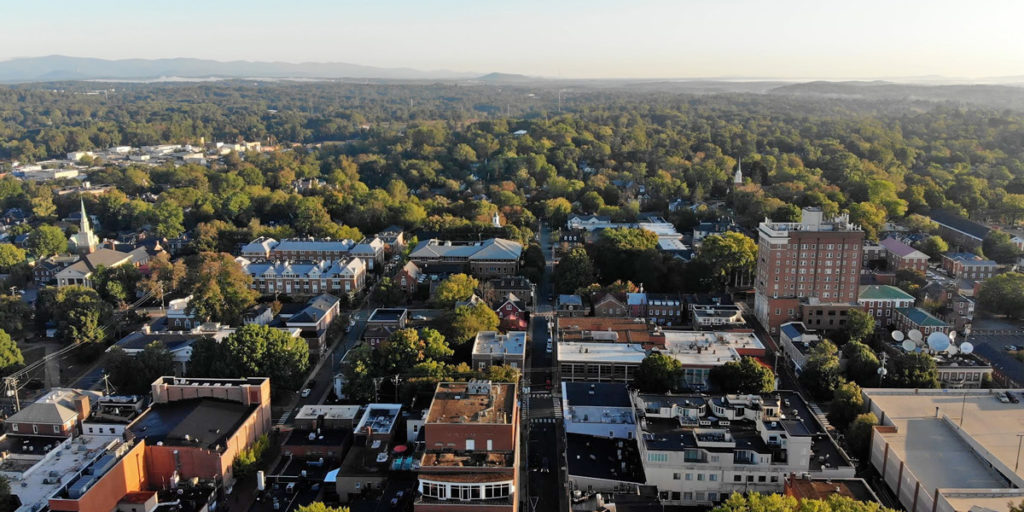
11, 385
395, 380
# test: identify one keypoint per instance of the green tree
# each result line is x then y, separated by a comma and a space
15, 315
10, 255
434, 345
455, 288
258, 350
859, 325
220, 288
387, 292
861, 363
847, 403
743, 376
934, 246
134, 374
117, 284
45, 241
868, 216
1003, 294
658, 373
502, 373
913, 370
998, 246
728, 254
169, 219
557, 210
820, 375
10, 354
466, 321
318, 506
574, 271
251, 459
858, 434
757, 502
79, 312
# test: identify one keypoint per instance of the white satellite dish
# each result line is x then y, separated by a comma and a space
938, 341
952, 350
898, 336
915, 335
966, 347
909, 345
952, 335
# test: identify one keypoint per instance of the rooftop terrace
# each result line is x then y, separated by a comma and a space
472, 402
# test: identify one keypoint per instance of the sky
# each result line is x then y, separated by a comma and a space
796, 39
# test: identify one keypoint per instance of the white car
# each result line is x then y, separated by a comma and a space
549, 347
305, 393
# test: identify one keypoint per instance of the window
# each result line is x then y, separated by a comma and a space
657, 457
688, 496
676, 476
700, 477
14, 427
737, 478
775, 479
56, 429
713, 477
761, 478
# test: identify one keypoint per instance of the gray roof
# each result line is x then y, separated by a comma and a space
299, 244
490, 249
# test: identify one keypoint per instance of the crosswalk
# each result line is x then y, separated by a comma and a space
284, 418
542, 420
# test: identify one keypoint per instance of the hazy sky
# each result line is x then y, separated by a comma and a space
591, 38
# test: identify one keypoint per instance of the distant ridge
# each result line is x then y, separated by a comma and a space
59, 67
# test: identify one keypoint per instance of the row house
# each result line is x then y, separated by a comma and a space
307, 278
370, 250
917, 318
661, 309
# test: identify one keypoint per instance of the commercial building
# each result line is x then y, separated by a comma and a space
471, 458
617, 361
815, 260
901, 256
694, 450
880, 301
347, 276
365, 466
494, 349
943, 451
494, 257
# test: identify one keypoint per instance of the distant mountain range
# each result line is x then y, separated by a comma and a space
59, 68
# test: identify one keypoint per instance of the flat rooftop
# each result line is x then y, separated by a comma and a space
599, 457
329, 412
205, 422
387, 314
32, 490
855, 488
379, 417
597, 394
472, 402
491, 342
992, 424
607, 329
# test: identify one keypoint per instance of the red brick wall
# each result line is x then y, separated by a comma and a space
128, 475
503, 436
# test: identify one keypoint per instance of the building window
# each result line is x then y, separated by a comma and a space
700, 476
677, 476
737, 478
761, 478
775, 479
713, 477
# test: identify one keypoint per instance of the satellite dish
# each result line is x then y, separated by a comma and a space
952, 335
938, 341
898, 336
915, 335
952, 350
909, 345
966, 347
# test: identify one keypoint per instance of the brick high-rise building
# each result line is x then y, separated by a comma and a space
812, 265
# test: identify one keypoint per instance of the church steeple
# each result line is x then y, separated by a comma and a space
737, 179
85, 241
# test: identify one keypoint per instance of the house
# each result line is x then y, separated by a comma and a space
491, 348
718, 226
880, 301
917, 318
570, 306
512, 314
393, 238
409, 278
382, 323
371, 251
260, 314
178, 343
55, 414
901, 256
716, 316
178, 316
45, 270
314, 320
610, 305
471, 440
81, 271
495, 289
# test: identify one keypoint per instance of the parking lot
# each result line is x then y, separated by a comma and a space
991, 339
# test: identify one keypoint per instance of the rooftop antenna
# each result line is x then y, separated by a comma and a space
395, 380
107, 387
376, 388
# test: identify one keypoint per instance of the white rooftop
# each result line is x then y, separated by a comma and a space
330, 412
491, 342
65, 462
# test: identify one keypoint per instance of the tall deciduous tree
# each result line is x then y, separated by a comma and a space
861, 363
220, 288
658, 373
1003, 294
45, 241
820, 375
743, 376
455, 288
466, 321
728, 254
574, 271
134, 374
847, 403
913, 370
10, 354
998, 246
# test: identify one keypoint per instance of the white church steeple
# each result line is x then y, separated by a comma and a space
737, 178
85, 241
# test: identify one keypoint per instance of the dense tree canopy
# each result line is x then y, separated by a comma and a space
743, 376
658, 373
1003, 294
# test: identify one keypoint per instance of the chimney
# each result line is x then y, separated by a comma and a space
82, 407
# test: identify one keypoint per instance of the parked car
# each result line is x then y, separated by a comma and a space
419, 318
305, 392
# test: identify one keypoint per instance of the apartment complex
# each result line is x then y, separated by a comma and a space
901, 256
471, 437
347, 276
812, 262
370, 250
494, 257
964, 265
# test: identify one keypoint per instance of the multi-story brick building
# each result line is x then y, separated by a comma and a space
917, 318
307, 278
880, 301
812, 259
964, 265
494, 257
471, 440
901, 256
